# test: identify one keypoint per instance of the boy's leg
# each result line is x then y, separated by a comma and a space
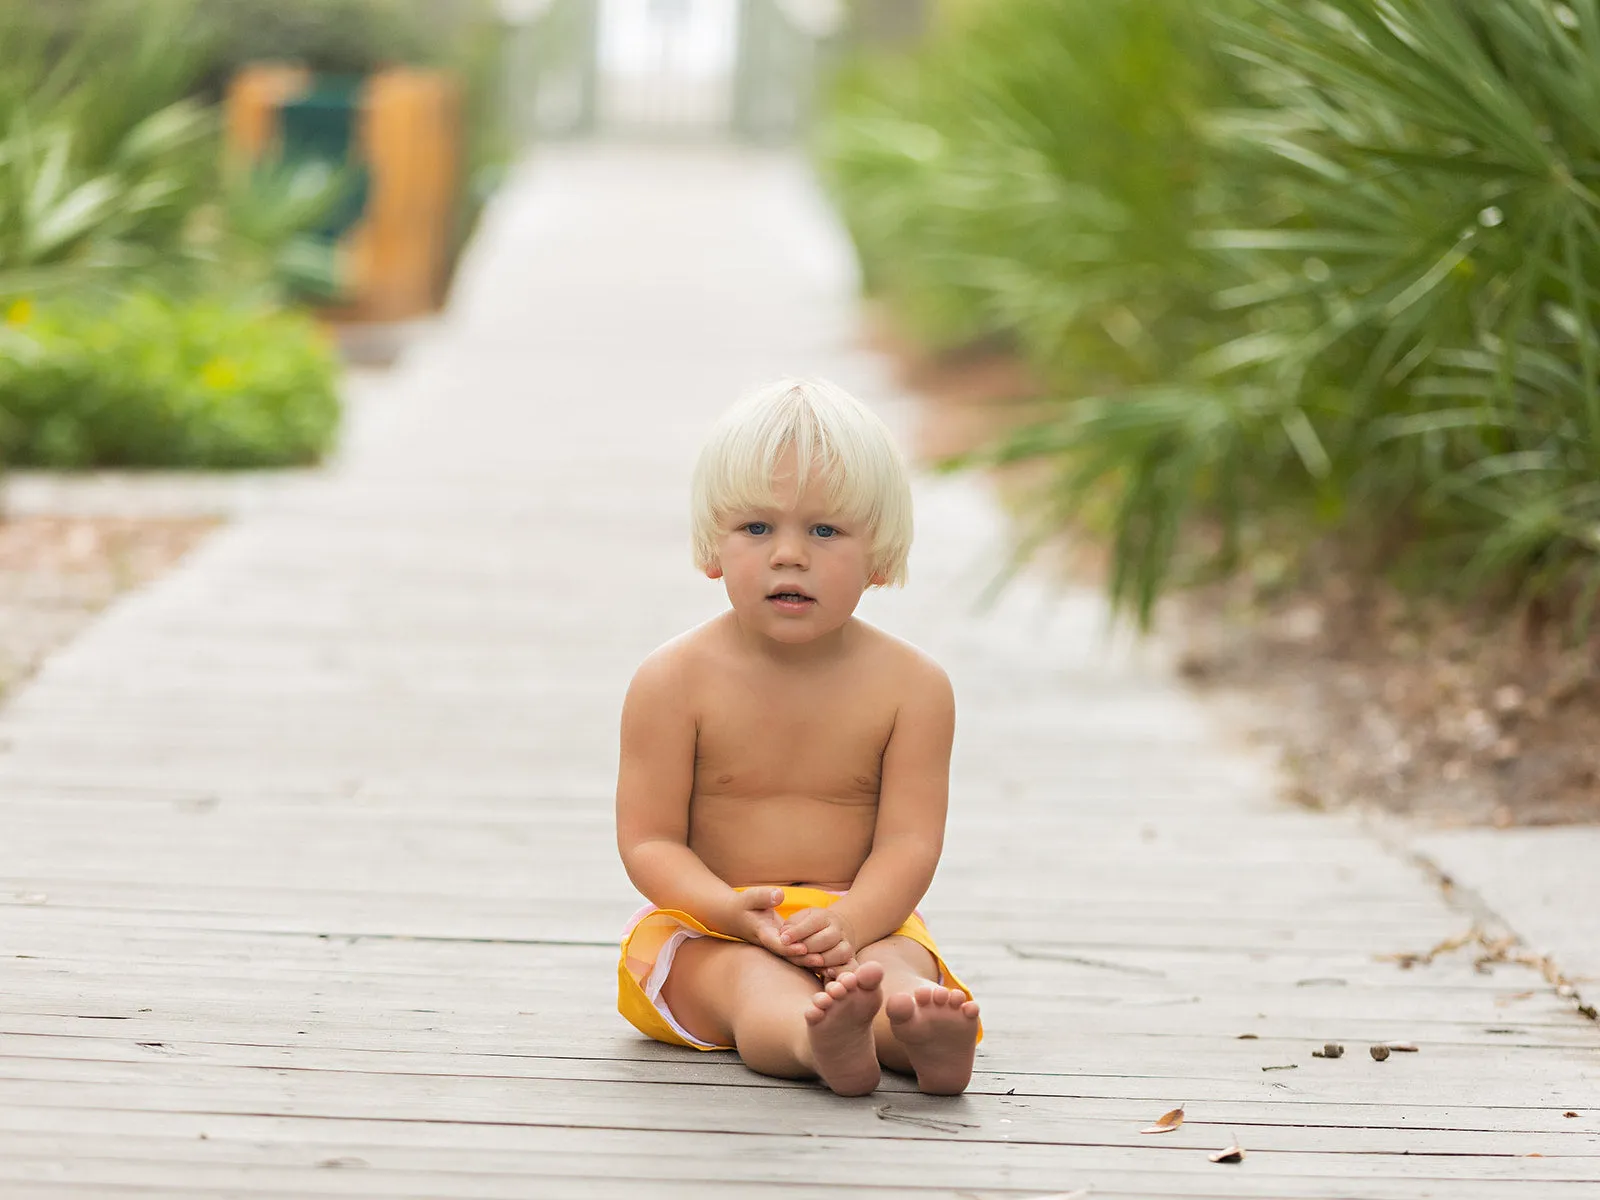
924, 1029
781, 1019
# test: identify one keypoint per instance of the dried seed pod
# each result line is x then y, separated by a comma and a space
1379, 1052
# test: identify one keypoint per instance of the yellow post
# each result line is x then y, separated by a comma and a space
412, 137
250, 109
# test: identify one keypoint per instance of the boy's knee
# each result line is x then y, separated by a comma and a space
903, 951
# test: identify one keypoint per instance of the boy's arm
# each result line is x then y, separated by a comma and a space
655, 779
913, 796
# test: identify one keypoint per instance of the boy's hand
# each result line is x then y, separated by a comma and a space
823, 940
756, 921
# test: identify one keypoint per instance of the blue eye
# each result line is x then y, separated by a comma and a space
824, 531
757, 528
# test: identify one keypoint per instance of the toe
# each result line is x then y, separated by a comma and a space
970, 1009
940, 995
870, 975
923, 995
900, 1007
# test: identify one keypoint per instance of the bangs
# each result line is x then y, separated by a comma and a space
759, 463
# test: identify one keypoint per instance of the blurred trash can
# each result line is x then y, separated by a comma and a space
394, 138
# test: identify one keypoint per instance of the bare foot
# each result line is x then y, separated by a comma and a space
839, 1024
939, 1029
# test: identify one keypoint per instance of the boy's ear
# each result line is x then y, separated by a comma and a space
877, 579
713, 570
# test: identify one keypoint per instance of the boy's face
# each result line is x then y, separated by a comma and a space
794, 571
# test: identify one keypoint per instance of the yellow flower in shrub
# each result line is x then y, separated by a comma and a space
20, 312
220, 374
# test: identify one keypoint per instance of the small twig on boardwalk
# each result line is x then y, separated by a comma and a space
886, 1112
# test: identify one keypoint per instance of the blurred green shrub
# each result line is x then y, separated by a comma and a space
103, 157
149, 382
1293, 269
110, 166
1035, 174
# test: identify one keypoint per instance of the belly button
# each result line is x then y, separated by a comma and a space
724, 778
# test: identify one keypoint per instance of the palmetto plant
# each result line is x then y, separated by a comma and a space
1358, 294
1435, 168
102, 158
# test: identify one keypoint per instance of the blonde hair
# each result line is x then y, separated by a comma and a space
832, 432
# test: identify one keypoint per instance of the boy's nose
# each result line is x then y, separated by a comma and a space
788, 552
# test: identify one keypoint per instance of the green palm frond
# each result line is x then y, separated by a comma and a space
1342, 251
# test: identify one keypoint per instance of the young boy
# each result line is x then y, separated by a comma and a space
785, 770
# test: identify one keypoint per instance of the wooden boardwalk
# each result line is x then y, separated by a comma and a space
307, 881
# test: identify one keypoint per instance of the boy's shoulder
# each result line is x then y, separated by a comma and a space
674, 656
906, 661
675, 661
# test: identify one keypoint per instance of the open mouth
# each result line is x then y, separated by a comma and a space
789, 596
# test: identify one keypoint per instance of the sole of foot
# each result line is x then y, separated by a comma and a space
839, 1024
939, 1029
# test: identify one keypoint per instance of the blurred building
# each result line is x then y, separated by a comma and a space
671, 68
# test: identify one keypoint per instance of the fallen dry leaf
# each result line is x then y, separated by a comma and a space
1248, 1037
1569, 1114
1285, 1067
1166, 1122
1402, 1047
1232, 1154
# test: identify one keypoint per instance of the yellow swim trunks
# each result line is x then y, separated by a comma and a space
652, 939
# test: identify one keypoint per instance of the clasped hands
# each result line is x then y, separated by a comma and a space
818, 939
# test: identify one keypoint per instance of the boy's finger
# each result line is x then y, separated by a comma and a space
772, 939
762, 898
804, 923
838, 955
769, 941
823, 940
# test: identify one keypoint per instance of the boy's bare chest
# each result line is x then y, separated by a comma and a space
829, 747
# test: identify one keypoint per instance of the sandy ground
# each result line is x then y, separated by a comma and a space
57, 572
